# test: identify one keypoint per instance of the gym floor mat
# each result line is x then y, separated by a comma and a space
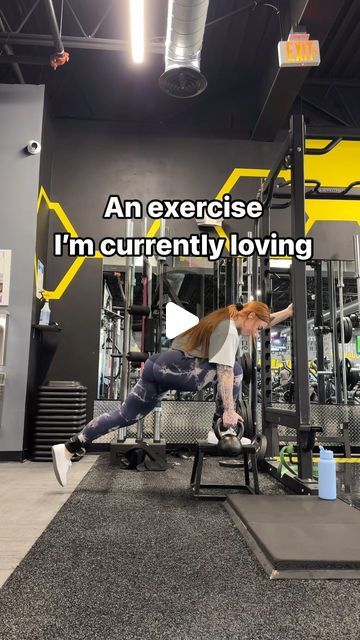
133, 555
299, 536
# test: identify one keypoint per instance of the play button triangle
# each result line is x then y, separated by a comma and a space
178, 320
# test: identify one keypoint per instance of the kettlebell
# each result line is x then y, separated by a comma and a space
229, 444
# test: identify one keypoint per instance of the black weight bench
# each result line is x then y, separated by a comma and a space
205, 448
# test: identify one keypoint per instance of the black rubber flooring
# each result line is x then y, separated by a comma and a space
133, 555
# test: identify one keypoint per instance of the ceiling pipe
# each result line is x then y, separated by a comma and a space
59, 47
186, 22
60, 56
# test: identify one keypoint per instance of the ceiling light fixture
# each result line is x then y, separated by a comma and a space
137, 30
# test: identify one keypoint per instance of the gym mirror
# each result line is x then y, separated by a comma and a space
3, 331
5, 264
331, 296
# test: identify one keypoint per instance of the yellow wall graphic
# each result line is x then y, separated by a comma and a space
78, 262
337, 168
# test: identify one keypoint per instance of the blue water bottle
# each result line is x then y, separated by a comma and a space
327, 475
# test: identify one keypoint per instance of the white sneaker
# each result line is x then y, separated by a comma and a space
212, 439
61, 463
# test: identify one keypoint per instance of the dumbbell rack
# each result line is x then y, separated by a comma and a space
61, 412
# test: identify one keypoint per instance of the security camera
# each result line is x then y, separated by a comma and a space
33, 147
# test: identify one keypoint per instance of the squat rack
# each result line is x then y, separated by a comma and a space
291, 156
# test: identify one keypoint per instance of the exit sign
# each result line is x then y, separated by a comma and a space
299, 53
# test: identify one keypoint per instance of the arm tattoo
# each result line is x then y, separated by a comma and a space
225, 377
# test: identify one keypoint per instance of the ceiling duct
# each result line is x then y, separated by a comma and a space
186, 21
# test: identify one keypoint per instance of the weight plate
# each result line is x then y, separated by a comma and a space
348, 329
353, 377
242, 412
260, 442
246, 365
246, 413
250, 422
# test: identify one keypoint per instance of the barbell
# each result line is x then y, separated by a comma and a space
348, 329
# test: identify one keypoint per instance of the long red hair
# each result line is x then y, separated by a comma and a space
199, 336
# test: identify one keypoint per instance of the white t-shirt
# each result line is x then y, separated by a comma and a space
224, 343
223, 346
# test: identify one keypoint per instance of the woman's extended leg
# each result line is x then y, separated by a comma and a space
168, 370
140, 401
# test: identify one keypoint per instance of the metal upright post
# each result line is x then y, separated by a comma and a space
147, 270
333, 321
140, 430
160, 285
342, 332
112, 360
145, 302
239, 278
252, 344
228, 281
220, 263
345, 421
357, 264
299, 289
200, 306
157, 422
200, 312
202, 296
249, 274
129, 277
255, 262
160, 271
149, 284
269, 430
319, 322
215, 283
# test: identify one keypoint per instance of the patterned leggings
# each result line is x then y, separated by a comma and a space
162, 372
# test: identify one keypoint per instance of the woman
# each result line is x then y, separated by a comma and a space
202, 356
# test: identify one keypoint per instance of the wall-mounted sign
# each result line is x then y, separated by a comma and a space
299, 51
